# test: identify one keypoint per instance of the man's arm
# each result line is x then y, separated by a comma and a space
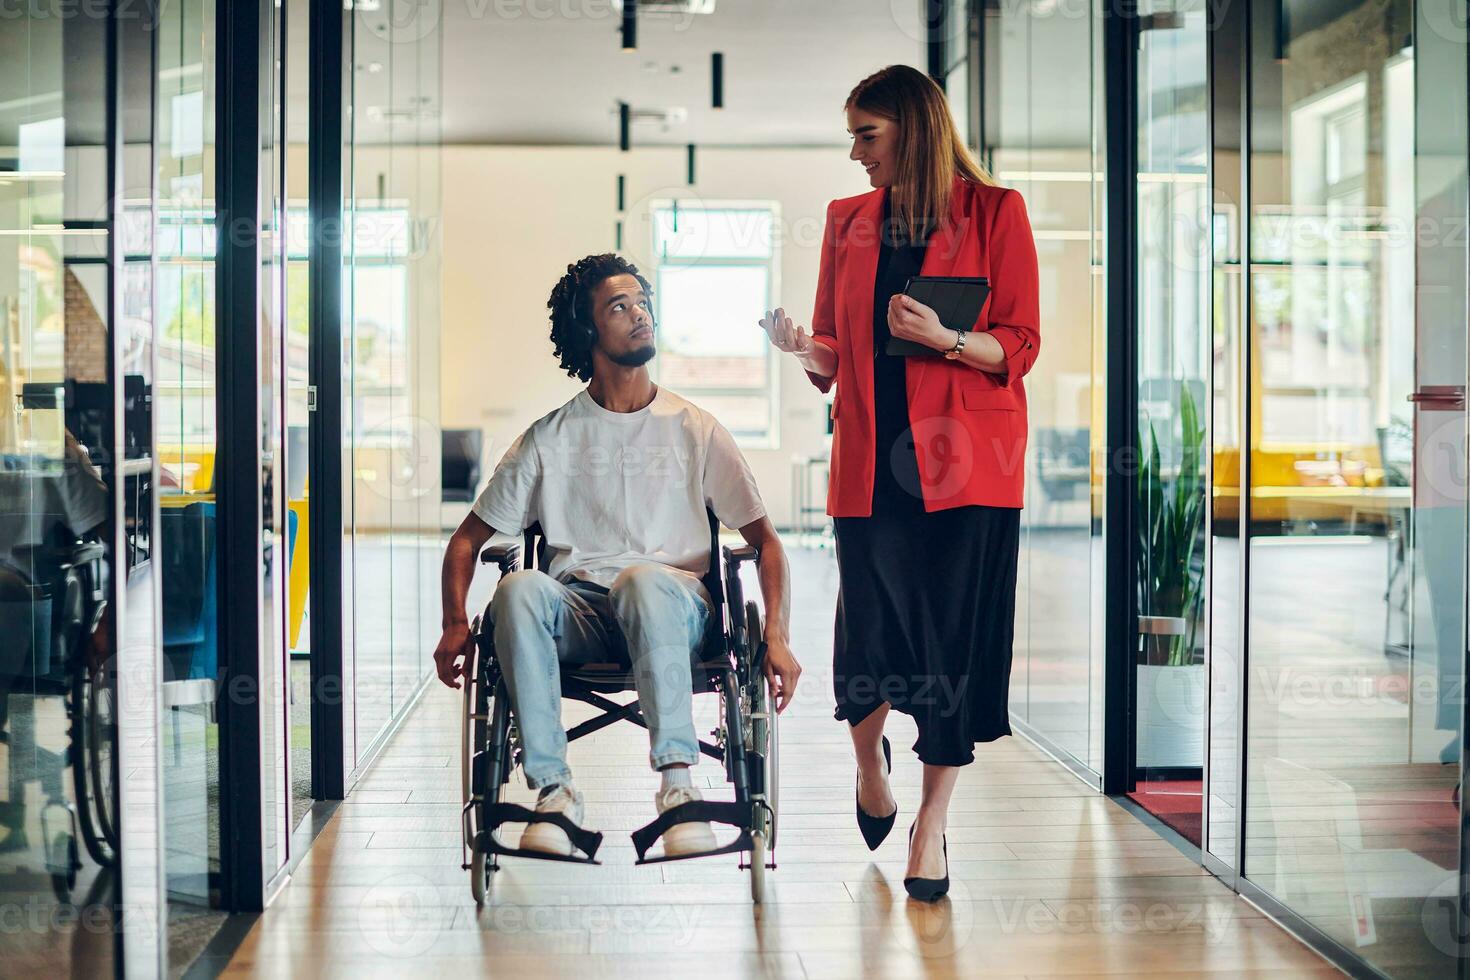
781, 667
459, 571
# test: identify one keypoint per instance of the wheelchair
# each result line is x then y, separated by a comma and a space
729, 664
51, 607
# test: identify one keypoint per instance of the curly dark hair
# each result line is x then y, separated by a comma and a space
573, 333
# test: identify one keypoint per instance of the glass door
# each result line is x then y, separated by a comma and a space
1356, 521
77, 573
187, 444
1042, 132
1173, 302
299, 400
276, 519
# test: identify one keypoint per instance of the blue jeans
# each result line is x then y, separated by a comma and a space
653, 615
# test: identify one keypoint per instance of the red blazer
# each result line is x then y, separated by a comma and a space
969, 425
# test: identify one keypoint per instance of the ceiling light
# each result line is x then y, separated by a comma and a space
630, 25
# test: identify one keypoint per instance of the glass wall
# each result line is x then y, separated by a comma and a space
78, 660
391, 336
1173, 304
1301, 365
189, 417
1041, 133
110, 448
58, 482
1356, 473
187, 441
1224, 568
296, 407
275, 518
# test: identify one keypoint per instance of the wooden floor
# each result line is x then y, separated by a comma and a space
1049, 878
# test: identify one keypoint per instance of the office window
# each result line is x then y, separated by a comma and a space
714, 280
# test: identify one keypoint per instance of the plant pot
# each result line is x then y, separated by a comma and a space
1171, 715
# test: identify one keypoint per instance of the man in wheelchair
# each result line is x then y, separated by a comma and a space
620, 481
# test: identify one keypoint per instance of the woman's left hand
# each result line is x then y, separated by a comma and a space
908, 319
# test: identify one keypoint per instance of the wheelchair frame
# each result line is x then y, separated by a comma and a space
79, 593
730, 665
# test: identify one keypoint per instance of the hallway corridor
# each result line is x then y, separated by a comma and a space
1049, 878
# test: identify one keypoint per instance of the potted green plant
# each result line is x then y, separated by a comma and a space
1170, 574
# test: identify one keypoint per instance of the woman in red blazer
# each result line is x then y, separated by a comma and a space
927, 453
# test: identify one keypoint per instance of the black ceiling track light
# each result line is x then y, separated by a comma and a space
630, 25
622, 192
691, 164
717, 80
625, 126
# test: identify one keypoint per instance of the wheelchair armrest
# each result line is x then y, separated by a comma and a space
745, 552
86, 551
507, 556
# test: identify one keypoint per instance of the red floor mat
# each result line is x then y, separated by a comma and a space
1422, 822
1176, 802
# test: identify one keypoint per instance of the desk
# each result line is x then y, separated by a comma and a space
1390, 506
1385, 507
1272, 504
803, 510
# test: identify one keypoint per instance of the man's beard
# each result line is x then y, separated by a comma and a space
634, 358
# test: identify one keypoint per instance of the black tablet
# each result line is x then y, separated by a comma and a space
956, 299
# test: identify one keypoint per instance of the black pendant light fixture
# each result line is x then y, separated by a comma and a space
691, 165
717, 80
625, 126
622, 193
630, 25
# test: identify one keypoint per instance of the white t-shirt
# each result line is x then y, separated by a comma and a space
613, 489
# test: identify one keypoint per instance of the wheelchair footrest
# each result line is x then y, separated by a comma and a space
733, 813
586, 841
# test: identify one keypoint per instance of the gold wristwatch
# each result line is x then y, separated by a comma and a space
954, 352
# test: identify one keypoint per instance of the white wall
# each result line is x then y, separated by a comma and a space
514, 217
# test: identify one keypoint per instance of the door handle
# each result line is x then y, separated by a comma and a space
1440, 398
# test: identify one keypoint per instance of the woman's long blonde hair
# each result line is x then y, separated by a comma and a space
930, 151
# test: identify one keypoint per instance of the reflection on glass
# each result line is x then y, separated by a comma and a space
1043, 138
275, 518
391, 337
59, 469
295, 362
185, 408
1223, 748
1357, 507
1173, 351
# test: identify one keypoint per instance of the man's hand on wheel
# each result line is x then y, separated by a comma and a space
451, 653
782, 670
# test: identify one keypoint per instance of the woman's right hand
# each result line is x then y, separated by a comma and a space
785, 335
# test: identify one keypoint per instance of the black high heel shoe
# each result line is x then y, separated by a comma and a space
875, 829
928, 889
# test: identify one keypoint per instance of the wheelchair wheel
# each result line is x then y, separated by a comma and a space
757, 867
62, 858
64, 861
763, 744
760, 756
94, 759
485, 759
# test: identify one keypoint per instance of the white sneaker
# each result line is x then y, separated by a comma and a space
548, 837
695, 837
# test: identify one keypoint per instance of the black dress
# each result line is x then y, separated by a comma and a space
926, 604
